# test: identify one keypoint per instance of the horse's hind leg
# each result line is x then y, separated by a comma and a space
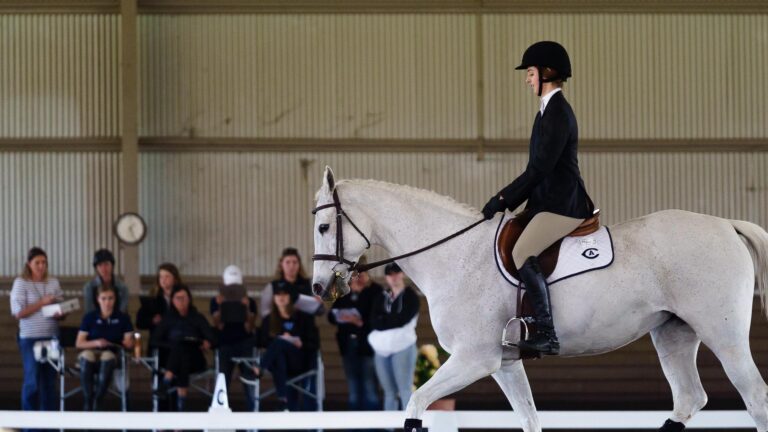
677, 345
736, 358
514, 383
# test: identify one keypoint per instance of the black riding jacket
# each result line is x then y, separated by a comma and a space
552, 182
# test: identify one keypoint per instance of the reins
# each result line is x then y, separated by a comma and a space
356, 267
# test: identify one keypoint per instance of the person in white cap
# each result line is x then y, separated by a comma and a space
234, 316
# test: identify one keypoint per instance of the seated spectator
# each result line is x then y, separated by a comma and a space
104, 264
290, 272
31, 291
393, 338
234, 316
158, 303
291, 340
102, 333
352, 314
187, 335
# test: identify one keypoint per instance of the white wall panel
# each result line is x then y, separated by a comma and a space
64, 203
59, 76
208, 210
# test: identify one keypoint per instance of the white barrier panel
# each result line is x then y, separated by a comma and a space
439, 421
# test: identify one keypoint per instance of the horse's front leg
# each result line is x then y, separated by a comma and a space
514, 382
460, 370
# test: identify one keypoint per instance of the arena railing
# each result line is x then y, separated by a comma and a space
437, 421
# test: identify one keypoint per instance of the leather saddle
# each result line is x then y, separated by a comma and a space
511, 231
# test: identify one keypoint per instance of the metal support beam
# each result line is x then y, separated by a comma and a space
130, 133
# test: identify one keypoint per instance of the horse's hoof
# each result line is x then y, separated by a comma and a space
413, 425
672, 426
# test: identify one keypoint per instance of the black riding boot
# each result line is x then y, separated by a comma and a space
87, 370
544, 340
105, 376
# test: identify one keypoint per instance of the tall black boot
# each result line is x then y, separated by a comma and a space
544, 340
87, 370
105, 378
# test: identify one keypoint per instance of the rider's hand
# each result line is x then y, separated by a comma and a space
494, 205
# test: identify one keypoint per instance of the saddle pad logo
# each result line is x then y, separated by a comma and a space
578, 255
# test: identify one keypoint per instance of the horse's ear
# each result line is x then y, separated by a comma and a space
328, 180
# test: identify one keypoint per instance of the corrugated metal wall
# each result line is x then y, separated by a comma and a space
59, 75
638, 76
382, 76
414, 76
64, 203
374, 76
208, 210
369, 76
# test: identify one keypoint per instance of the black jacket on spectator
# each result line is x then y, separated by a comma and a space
363, 302
304, 286
175, 329
147, 312
300, 324
391, 313
233, 333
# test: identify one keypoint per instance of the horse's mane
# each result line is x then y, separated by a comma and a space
442, 201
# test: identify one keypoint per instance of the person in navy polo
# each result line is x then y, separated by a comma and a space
102, 333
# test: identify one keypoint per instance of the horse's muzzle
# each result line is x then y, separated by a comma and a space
317, 289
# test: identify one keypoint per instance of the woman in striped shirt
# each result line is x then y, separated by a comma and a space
33, 290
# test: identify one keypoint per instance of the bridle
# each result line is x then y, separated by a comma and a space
339, 256
356, 267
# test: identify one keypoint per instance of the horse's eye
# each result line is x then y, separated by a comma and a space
323, 228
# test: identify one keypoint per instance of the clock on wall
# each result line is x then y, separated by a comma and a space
130, 228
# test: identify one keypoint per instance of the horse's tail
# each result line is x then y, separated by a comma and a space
757, 241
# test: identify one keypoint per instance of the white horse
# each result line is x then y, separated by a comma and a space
684, 277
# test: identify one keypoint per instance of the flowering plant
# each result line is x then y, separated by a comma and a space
427, 363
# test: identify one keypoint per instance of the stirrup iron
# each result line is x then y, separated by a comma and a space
523, 320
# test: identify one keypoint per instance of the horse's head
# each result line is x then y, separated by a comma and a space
339, 242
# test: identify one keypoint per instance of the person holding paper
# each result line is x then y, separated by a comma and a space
351, 314
32, 291
234, 316
291, 340
290, 271
102, 333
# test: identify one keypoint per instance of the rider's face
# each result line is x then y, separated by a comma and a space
532, 79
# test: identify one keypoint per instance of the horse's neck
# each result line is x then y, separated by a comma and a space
402, 221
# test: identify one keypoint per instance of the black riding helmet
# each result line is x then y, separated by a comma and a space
547, 54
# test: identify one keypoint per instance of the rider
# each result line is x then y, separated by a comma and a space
557, 199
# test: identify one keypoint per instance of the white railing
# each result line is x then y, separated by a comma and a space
437, 421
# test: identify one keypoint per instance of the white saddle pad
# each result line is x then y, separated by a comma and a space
577, 254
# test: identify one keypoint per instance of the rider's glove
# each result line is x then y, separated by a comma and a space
494, 205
